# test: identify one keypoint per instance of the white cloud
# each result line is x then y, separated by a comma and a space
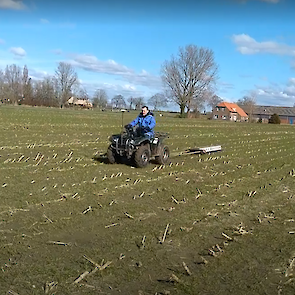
113, 89
18, 51
12, 4
37, 74
91, 63
57, 51
276, 95
144, 79
44, 21
248, 45
129, 87
224, 86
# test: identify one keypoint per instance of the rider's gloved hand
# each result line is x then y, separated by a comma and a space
128, 126
145, 129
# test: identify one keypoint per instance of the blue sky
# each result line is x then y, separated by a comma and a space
120, 45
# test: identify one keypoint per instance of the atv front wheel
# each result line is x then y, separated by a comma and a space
163, 156
142, 156
112, 156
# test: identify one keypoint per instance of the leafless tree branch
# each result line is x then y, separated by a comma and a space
189, 75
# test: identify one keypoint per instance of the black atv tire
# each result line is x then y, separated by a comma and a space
142, 156
112, 156
163, 156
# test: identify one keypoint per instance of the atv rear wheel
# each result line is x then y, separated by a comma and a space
112, 156
163, 156
142, 156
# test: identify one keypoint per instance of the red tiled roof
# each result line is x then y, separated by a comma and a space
233, 107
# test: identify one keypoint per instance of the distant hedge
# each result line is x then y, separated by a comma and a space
274, 119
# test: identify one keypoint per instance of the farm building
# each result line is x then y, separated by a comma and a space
229, 111
83, 103
286, 114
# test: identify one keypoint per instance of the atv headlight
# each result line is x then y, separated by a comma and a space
113, 138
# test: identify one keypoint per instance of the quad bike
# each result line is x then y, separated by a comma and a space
133, 145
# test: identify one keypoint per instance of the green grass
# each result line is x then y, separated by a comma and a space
52, 170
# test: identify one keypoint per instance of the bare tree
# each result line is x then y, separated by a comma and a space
118, 101
2, 87
83, 94
38, 94
13, 83
66, 78
45, 93
197, 105
130, 100
138, 102
27, 89
25, 77
100, 99
1, 76
158, 100
247, 103
188, 75
27, 92
79, 92
213, 101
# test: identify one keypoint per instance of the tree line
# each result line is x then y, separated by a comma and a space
17, 87
189, 81
101, 100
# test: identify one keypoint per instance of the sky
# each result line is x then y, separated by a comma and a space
120, 45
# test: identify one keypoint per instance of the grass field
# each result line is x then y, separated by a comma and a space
220, 223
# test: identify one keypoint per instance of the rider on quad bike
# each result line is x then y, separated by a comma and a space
139, 142
145, 122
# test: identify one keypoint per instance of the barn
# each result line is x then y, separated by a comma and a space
83, 103
263, 113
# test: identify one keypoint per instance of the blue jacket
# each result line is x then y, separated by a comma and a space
145, 123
